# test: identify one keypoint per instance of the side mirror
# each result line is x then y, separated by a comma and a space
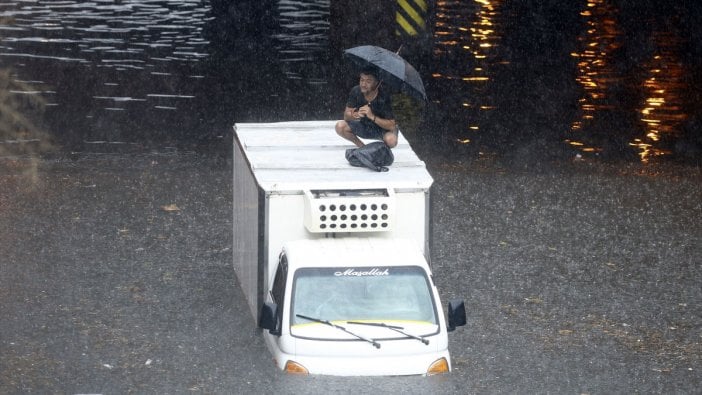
268, 319
456, 314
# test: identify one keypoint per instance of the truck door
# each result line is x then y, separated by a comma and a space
281, 275
278, 289
271, 316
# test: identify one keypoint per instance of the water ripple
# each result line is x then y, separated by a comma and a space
97, 60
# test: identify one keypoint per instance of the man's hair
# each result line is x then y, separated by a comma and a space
372, 71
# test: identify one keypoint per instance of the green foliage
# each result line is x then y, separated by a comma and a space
13, 100
19, 107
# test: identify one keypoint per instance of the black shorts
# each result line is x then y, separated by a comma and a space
367, 130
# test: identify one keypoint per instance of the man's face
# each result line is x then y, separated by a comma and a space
368, 83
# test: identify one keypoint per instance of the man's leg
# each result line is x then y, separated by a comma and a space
344, 130
390, 138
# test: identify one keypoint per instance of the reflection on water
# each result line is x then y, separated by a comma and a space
501, 73
596, 73
304, 39
133, 69
631, 88
661, 110
466, 35
19, 106
133, 34
105, 67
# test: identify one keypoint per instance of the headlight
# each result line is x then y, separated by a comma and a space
293, 367
439, 366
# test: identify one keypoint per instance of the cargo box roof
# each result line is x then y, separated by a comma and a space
293, 156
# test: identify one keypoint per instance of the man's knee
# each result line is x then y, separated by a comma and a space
390, 139
341, 127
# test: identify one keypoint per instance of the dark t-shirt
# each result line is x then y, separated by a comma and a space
381, 105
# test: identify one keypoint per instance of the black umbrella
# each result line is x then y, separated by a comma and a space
393, 69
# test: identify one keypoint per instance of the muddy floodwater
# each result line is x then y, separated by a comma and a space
117, 277
563, 137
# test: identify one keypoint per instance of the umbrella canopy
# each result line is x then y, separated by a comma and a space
393, 69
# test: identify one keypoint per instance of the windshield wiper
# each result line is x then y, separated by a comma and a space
325, 322
397, 329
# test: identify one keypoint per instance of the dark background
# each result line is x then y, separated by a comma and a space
275, 60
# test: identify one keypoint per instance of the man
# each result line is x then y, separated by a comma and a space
368, 113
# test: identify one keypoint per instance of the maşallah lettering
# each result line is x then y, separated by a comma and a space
372, 272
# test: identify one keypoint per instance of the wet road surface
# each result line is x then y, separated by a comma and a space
578, 278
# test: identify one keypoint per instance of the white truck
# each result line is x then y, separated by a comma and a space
333, 259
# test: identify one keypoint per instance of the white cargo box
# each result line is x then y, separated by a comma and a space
292, 182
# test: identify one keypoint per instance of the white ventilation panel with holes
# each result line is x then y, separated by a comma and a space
363, 210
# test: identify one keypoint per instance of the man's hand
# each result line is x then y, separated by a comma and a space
365, 111
351, 114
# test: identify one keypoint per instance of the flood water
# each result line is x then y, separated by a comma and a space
595, 78
117, 273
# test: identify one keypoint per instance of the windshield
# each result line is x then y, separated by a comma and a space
378, 294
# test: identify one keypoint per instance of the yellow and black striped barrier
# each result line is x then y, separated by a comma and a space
411, 17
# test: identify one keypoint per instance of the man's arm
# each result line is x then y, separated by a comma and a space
387, 124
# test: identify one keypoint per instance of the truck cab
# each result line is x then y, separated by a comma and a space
356, 306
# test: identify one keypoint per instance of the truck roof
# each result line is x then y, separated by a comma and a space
353, 251
305, 155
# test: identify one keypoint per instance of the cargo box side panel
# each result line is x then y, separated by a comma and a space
248, 233
411, 220
286, 224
